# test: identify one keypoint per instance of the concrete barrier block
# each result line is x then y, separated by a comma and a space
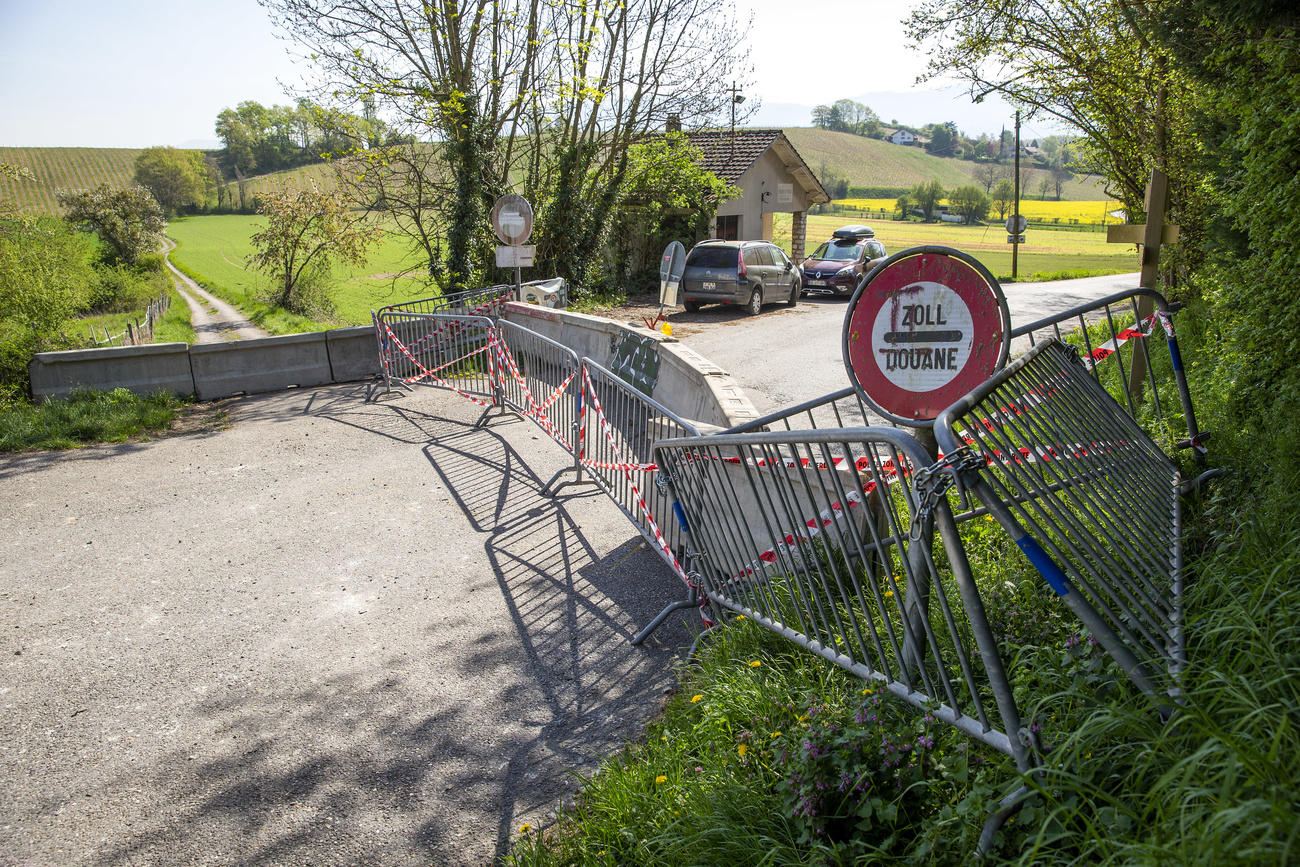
144, 369
266, 364
588, 336
353, 353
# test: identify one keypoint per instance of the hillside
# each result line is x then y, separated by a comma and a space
63, 169
864, 162
868, 162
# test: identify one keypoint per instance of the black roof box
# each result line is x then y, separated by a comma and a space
854, 232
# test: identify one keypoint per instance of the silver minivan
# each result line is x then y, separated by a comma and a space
752, 273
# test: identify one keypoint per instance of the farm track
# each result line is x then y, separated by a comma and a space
214, 320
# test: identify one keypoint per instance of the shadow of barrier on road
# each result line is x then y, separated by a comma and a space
381, 767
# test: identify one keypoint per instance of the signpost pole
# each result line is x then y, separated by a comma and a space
1015, 245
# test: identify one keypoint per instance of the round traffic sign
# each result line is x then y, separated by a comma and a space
925, 327
512, 219
1016, 223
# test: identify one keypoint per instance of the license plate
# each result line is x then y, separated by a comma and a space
709, 287
816, 282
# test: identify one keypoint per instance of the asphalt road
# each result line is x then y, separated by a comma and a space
785, 356
336, 632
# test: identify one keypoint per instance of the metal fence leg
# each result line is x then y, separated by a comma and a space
1007, 808
692, 600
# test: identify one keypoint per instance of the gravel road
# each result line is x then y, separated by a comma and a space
214, 320
335, 632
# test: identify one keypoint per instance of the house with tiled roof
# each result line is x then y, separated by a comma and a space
772, 178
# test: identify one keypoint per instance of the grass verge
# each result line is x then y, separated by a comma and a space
84, 418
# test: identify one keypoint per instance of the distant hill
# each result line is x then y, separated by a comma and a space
868, 162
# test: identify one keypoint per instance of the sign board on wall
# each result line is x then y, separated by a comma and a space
929, 325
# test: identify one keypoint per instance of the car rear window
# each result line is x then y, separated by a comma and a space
712, 257
837, 251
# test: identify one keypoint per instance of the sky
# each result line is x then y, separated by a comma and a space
136, 73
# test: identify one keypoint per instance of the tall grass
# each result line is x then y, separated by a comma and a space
85, 417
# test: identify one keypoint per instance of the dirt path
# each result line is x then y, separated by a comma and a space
214, 320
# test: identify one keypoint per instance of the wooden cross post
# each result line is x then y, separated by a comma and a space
1150, 236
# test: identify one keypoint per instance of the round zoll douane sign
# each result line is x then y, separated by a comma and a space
927, 326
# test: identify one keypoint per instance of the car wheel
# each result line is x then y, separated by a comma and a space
755, 305
795, 292
691, 306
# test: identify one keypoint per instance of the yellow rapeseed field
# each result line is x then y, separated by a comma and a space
1064, 213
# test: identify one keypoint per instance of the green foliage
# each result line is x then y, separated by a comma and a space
970, 202
1004, 198
846, 115
45, 276
176, 178
84, 417
667, 197
129, 221
926, 195
306, 231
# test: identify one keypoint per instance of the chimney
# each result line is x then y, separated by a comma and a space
674, 123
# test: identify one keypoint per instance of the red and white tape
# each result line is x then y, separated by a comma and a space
1142, 329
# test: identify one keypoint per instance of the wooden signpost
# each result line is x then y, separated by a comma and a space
1150, 236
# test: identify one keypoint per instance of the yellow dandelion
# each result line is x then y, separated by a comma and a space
742, 749
988, 517
889, 593
776, 734
661, 779
740, 617
868, 691
803, 718
755, 664
696, 698
663, 737
525, 828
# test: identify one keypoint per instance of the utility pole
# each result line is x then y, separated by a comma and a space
1015, 245
736, 99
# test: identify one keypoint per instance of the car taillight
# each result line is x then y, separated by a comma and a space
741, 271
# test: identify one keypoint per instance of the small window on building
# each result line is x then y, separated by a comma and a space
729, 227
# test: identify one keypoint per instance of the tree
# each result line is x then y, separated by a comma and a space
306, 232
940, 141
544, 98
987, 174
405, 182
129, 221
969, 201
904, 206
927, 195
1004, 196
176, 178
1096, 65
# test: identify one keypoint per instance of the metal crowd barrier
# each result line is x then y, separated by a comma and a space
820, 537
485, 301
1089, 498
440, 350
537, 378
1127, 360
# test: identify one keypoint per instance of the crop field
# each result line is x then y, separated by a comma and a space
1091, 213
214, 249
63, 169
1045, 251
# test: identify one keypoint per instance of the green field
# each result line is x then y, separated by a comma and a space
874, 163
213, 250
1045, 251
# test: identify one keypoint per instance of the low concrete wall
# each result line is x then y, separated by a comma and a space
144, 369
682, 380
266, 364
687, 383
353, 353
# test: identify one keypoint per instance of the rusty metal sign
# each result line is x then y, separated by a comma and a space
925, 327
